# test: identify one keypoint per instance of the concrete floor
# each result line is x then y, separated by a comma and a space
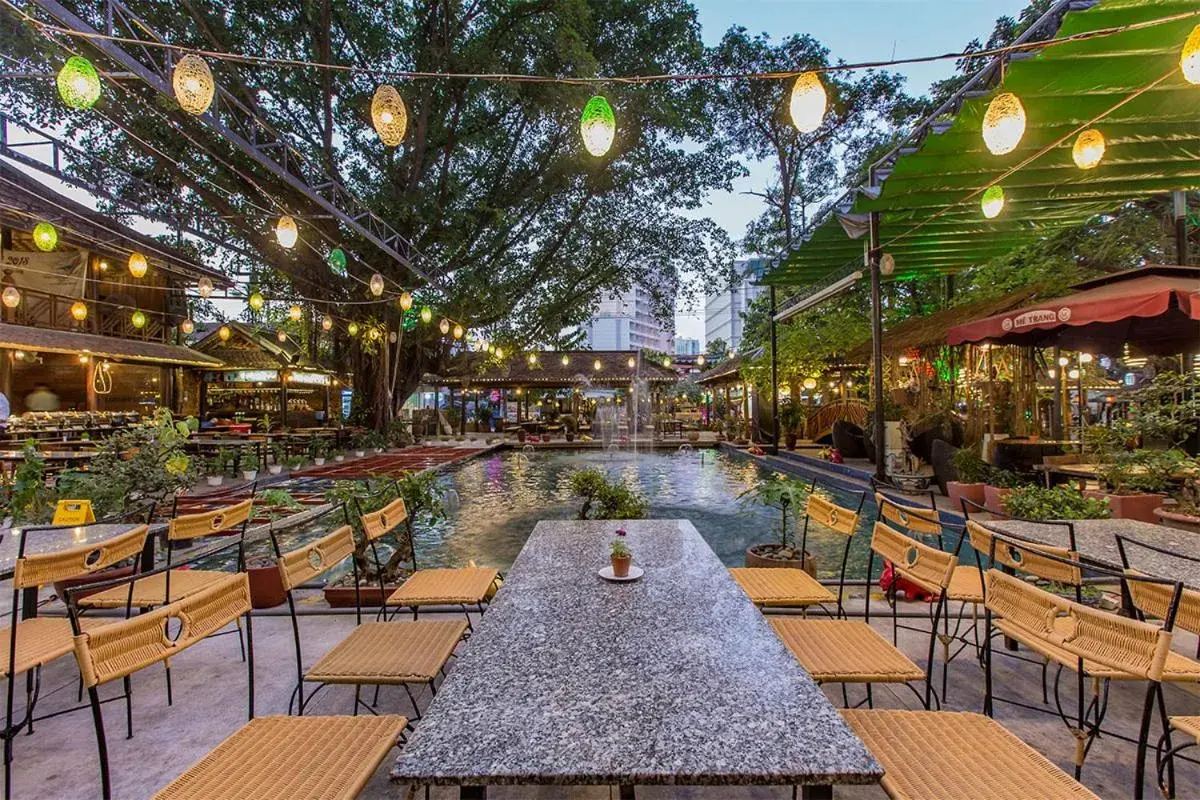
59, 760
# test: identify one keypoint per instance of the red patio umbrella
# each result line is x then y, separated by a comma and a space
1155, 310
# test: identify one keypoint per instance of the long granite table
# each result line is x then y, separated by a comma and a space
1096, 540
674, 679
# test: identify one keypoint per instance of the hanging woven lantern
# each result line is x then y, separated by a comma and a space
352, 329
193, 83
1003, 124
79, 310
187, 327
1089, 149
281, 336
205, 287
388, 115
138, 320
808, 102
295, 313
426, 315
256, 301
444, 325
992, 202
45, 237
566, 361
337, 261
286, 232
700, 360
597, 126
223, 333
11, 297
405, 301
458, 331
326, 323
376, 284
596, 365
1189, 59
138, 265
78, 83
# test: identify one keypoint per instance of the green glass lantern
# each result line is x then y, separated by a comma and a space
256, 301
426, 315
337, 261
993, 202
597, 126
45, 237
78, 83
138, 319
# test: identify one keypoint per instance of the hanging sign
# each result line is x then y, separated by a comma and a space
74, 512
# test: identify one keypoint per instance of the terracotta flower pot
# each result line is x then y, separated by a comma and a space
790, 441
1140, 507
971, 491
1180, 522
370, 596
620, 566
266, 587
993, 498
755, 558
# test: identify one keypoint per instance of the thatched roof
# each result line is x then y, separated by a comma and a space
482, 369
729, 370
24, 337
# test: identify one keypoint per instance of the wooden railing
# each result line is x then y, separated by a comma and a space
44, 310
820, 422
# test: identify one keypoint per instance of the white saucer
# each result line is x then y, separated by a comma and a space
634, 574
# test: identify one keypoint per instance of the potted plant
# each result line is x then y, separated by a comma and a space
214, 469
265, 422
620, 556
1000, 483
339, 457
568, 423
483, 418
1184, 512
361, 443
294, 463
277, 459
1135, 482
970, 477
791, 421
788, 495
249, 467
320, 452
1059, 502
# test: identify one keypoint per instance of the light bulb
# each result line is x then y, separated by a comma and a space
808, 102
79, 310
11, 297
597, 126
596, 365
1063, 361
223, 333
138, 265
187, 327
500, 352
389, 116
193, 83
458, 331
700, 360
1088, 149
1085, 358
444, 325
352, 329
426, 315
286, 232
532, 359
256, 301
281, 336
326, 324
566, 361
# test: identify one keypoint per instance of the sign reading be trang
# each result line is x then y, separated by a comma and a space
1039, 316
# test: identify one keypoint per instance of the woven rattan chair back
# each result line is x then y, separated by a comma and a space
1062, 566
822, 510
39, 569
316, 558
928, 567
122, 648
380, 523
1132, 646
209, 523
1155, 599
919, 521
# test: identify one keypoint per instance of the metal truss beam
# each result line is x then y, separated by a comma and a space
242, 128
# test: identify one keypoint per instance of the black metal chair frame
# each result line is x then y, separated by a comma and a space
841, 611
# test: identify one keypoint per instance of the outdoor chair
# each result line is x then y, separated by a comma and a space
954, 755
402, 653
851, 651
1092, 643
787, 587
30, 641
269, 758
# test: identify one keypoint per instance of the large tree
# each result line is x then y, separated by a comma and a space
521, 228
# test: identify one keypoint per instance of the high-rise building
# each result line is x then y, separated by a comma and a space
626, 321
687, 347
723, 310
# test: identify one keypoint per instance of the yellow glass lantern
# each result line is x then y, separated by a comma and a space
11, 297
193, 83
426, 315
808, 102
45, 237
187, 327
376, 284
389, 115
205, 287
596, 365
223, 333
532, 359
138, 265
444, 325
373, 334
352, 329
458, 331
499, 352
1003, 124
295, 313
137, 319
1189, 59
632, 362
992, 202
326, 324
256, 301
405, 301
566, 361
79, 310
281, 336
1088, 149
810, 383
286, 232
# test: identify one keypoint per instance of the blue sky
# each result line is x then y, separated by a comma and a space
853, 30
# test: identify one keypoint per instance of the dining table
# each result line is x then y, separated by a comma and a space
671, 679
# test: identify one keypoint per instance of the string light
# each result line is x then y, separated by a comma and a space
78, 83
187, 327
405, 301
11, 297
138, 319
808, 102
1088, 149
79, 310
993, 202
256, 301
1085, 358
205, 287
426, 315
193, 84
1003, 124
286, 232
138, 265
352, 329
596, 365
376, 284
597, 126
223, 333
337, 260
1189, 59
388, 115
444, 326
810, 383
295, 313
566, 361
458, 331
326, 323
45, 237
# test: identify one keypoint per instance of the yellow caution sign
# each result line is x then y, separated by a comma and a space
74, 512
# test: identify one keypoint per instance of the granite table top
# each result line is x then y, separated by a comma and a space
1096, 540
674, 679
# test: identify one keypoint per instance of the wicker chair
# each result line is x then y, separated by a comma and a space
972, 756
1094, 644
270, 758
31, 641
786, 587
851, 651
404, 653
463, 587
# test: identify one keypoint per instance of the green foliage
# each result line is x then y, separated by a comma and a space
249, 462
781, 492
791, 416
1060, 502
604, 498
1143, 471
969, 466
1006, 478
619, 549
29, 499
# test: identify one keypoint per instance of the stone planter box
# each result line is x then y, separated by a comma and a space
994, 498
1140, 507
975, 492
1180, 522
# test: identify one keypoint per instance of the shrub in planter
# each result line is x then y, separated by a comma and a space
1060, 502
1135, 482
249, 467
1000, 483
970, 475
789, 496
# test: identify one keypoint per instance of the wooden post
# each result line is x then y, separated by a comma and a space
462, 414
283, 398
89, 375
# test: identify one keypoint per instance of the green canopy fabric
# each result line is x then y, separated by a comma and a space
931, 220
